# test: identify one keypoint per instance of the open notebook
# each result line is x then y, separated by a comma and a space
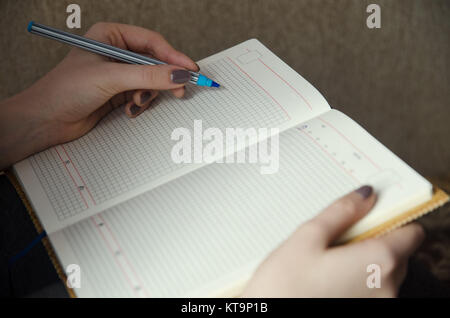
139, 224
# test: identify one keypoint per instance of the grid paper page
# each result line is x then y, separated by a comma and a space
210, 229
121, 157
121, 154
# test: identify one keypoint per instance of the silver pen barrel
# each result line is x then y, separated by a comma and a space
98, 47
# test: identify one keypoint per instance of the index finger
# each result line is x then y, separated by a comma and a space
140, 40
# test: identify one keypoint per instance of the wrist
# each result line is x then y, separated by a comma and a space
22, 131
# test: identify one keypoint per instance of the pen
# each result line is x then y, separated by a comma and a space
108, 50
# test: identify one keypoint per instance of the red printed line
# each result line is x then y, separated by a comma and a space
120, 248
76, 185
289, 117
112, 253
82, 180
348, 140
342, 167
287, 83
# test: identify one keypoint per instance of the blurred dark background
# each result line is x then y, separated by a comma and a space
394, 80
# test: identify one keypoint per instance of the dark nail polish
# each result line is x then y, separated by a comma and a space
365, 191
145, 96
134, 109
180, 76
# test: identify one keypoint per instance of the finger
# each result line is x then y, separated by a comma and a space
404, 241
132, 110
178, 92
144, 97
140, 40
341, 214
196, 70
100, 113
119, 77
128, 95
118, 100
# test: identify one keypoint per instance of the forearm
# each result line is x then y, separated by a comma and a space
22, 131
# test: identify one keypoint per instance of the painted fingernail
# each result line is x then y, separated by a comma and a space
180, 76
365, 191
145, 96
134, 109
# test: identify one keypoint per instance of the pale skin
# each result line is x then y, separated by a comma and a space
308, 264
70, 100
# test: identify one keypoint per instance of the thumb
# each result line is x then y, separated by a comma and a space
124, 77
341, 214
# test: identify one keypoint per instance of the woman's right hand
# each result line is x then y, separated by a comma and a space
308, 265
69, 100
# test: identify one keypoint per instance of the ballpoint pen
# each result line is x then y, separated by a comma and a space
109, 50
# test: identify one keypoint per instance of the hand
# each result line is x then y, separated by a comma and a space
69, 100
307, 265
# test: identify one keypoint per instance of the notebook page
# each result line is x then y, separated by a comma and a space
198, 235
124, 157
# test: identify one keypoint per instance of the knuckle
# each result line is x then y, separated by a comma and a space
98, 26
148, 75
155, 38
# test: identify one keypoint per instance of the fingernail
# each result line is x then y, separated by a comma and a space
134, 109
198, 66
145, 96
180, 76
365, 191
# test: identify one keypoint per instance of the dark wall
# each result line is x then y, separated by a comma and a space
394, 80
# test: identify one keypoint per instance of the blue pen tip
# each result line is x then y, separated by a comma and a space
204, 81
29, 26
